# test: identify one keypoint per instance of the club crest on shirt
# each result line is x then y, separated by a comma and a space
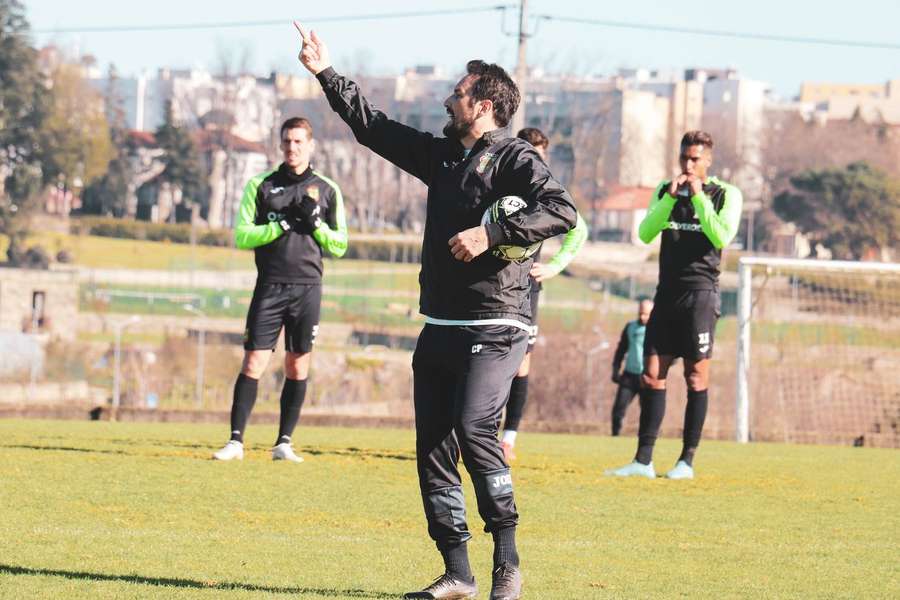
487, 159
313, 192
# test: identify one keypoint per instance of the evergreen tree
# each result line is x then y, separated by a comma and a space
851, 211
23, 108
109, 194
182, 162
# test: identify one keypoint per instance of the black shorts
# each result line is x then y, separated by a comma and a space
533, 334
683, 324
294, 306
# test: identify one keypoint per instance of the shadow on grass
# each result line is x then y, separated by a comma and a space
362, 452
311, 450
63, 449
190, 583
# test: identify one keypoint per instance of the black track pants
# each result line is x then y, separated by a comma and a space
462, 376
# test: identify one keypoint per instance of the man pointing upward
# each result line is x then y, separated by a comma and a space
476, 306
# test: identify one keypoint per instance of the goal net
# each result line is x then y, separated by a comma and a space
818, 352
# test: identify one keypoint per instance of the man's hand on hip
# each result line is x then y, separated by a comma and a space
313, 53
468, 244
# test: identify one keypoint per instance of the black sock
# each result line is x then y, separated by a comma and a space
292, 395
244, 399
653, 409
694, 416
456, 561
515, 406
505, 547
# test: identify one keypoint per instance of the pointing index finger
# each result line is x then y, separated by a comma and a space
302, 31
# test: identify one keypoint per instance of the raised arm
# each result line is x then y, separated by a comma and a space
720, 227
658, 213
408, 148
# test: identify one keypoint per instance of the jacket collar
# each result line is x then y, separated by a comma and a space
485, 141
294, 177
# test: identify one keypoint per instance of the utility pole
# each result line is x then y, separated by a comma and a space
518, 120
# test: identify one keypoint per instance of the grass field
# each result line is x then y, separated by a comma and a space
101, 510
112, 253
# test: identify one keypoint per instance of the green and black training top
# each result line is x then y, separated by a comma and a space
694, 231
293, 256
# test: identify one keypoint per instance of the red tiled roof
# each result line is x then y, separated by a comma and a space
144, 139
627, 198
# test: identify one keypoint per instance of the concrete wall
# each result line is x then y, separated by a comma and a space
17, 289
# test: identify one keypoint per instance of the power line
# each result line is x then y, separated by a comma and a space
271, 23
726, 34
496, 8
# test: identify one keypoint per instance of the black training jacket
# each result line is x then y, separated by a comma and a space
460, 188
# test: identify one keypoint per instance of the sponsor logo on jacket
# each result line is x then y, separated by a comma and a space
685, 226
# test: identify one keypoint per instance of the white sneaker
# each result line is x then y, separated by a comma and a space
633, 469
284, 451
231, 451
681, 470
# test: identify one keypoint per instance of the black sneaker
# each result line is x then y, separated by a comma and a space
506, 583
446, 587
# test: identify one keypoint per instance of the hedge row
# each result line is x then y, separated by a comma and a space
368, 247
178, 233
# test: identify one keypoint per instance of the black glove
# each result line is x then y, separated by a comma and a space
306, 213
616, 377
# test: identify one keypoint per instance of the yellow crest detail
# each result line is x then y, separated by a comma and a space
313, 192
484, 163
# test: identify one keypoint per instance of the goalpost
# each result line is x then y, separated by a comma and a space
818, 351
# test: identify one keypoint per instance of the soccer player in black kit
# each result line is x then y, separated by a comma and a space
476, 305
698, 215
290, 217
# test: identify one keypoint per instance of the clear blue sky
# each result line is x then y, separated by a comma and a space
387, 46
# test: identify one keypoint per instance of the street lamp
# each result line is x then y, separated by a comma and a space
117, 354
201, 342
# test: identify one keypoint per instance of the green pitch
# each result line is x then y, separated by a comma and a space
100, 510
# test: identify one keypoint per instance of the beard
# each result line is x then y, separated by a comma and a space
458, 129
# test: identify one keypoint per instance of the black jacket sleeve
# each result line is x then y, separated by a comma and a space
408, 148
621, 350
550, 209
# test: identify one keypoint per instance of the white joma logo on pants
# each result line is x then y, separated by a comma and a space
501, 480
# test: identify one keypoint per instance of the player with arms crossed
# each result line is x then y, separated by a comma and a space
475, 304
698, 216
572, 243
290, 217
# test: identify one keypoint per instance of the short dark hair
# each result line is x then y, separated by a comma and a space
296, 123
534, 136
697, 138
494, 83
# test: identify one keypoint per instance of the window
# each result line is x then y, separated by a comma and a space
37, 310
